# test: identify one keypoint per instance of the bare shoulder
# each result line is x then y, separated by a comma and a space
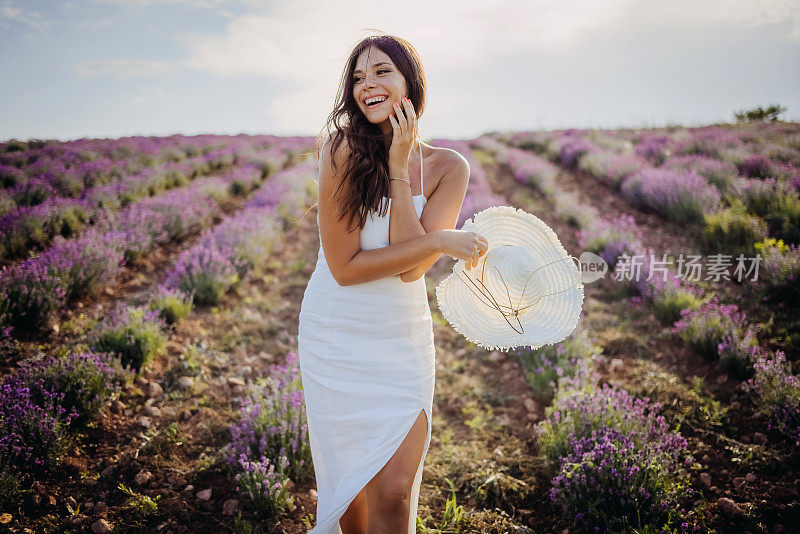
332, 164
339, 156
449, 164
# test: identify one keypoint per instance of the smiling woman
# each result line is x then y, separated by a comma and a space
365, 339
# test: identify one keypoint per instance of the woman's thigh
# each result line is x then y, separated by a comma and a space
392, 485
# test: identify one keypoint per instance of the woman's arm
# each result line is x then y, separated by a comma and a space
442, 209
404, 224
342, 248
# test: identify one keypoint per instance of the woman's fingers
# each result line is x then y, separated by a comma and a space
401, 118
411, 114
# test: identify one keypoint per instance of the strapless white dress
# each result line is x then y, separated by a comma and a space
367, 363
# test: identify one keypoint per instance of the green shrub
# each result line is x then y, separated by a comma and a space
172, 304
133, 332
682, 403
87, 382
668, 303
733, 231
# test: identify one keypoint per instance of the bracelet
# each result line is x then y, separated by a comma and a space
402, 180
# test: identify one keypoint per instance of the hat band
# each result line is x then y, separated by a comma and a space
485, 296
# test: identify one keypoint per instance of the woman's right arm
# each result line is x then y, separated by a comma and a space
347, 262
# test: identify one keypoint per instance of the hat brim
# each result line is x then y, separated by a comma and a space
549, 321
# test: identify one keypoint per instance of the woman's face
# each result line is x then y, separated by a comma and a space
375, 75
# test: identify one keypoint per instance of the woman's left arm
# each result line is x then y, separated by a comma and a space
442, 209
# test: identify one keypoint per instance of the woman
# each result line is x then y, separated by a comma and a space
365, 337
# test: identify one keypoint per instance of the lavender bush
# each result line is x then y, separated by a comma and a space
654, 148
732, 231
608, 483
776, 394
85, 382
573, 148
612, 455
33, 435
264, 483
777, 202
270, 444
134, 333
172, 305
720, 332
778, 287
577, 411
721, 174
29, 296
529, 169
680, 196
610, 167
756, 166
546, 365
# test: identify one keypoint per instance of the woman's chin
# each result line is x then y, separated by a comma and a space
377, 118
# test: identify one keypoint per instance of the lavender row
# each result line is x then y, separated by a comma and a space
716, 331
71, 166
28, 227
32, 291
735, 205
619, 237
241, 242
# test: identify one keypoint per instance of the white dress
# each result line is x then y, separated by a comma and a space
367, 363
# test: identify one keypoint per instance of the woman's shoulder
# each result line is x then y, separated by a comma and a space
447, 161
342, 149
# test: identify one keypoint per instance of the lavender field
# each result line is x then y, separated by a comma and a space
149, 298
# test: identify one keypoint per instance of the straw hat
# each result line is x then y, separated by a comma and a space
525, 290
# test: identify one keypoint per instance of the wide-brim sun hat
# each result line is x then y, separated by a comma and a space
526, 290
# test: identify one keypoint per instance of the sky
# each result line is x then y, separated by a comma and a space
113, 68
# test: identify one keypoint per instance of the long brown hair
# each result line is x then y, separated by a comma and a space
368, 165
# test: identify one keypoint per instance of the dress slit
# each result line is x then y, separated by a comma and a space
332, 521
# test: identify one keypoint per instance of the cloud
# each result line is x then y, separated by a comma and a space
284, 40
123, 69
33, 19
301, 46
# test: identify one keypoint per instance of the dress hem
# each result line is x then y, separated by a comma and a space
333, 518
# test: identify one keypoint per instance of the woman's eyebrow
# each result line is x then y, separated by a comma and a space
373, 66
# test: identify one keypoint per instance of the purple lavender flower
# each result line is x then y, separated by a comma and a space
681, 196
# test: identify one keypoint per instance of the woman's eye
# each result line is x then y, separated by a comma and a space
358, 79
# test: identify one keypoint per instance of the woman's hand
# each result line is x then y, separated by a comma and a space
404, 126
463, 245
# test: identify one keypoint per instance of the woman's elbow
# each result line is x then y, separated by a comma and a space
410, 276
340, 276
